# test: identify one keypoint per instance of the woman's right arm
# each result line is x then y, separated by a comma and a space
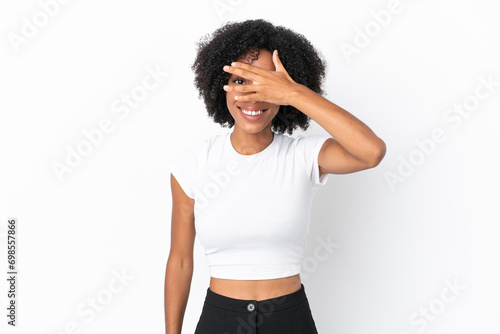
180, 262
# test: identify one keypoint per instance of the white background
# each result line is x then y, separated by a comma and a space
398, 245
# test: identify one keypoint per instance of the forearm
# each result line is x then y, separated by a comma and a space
178, 278
354, 136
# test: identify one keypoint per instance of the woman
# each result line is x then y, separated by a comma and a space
250, 190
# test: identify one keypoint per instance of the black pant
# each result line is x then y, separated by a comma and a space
288, 314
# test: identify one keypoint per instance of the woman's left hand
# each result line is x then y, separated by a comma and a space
275, 87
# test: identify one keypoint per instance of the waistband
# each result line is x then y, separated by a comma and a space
244, 305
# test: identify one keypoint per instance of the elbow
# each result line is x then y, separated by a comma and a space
180, 262
378, 153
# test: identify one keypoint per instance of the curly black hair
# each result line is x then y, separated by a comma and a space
237, 39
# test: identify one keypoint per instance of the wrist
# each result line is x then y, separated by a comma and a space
298, 94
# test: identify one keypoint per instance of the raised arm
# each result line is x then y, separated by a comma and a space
354, 146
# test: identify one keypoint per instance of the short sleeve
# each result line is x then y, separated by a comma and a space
183, 168
308, 149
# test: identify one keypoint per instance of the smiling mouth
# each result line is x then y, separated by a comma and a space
252, 112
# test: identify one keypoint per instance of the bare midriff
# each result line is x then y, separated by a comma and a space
255, 289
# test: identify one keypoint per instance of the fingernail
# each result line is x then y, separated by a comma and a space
226, 87
234, 64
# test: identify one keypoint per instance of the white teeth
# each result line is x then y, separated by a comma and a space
253, 113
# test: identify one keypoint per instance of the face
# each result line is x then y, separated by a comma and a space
257, 123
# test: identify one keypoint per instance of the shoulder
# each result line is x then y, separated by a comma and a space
285, 140
213, 141
303, 141
201, 147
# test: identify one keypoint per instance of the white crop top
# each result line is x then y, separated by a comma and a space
252, 212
